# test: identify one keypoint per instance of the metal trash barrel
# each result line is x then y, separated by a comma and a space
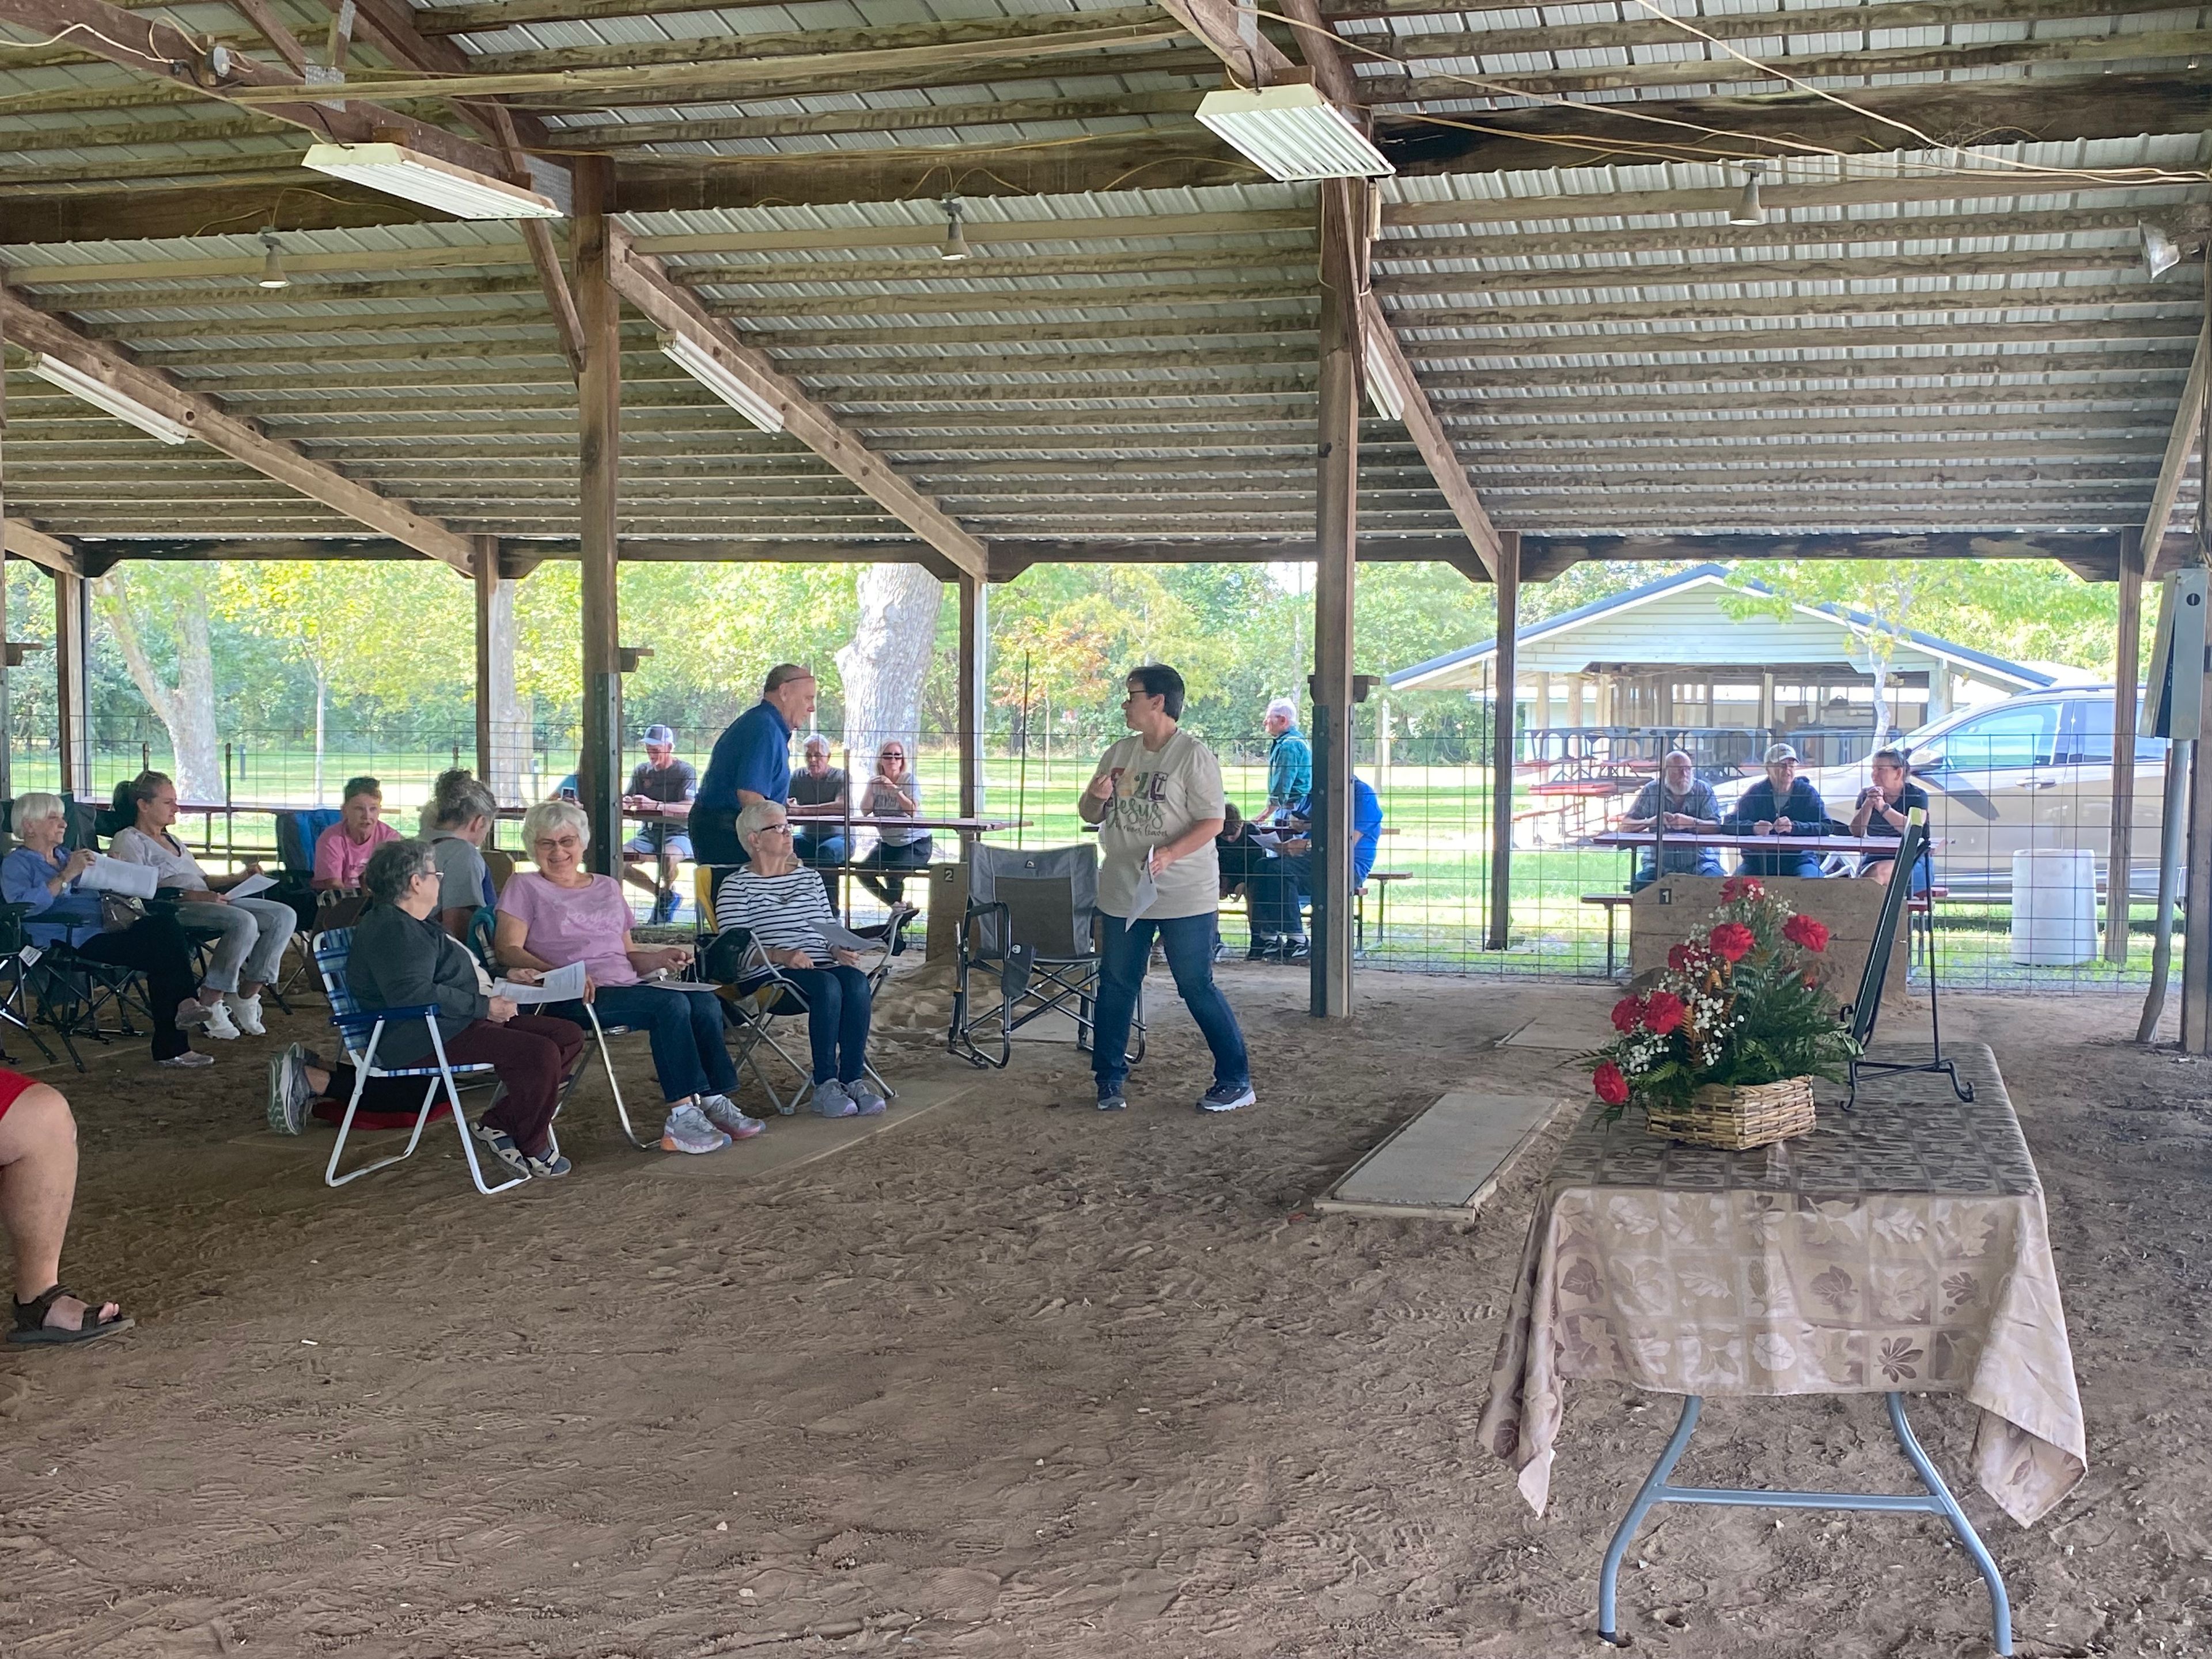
2054, 907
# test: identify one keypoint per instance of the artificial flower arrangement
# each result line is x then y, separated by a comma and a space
1736, 1009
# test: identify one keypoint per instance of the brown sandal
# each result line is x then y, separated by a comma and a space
31, 1326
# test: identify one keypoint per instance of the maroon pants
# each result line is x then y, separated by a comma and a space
531, 1055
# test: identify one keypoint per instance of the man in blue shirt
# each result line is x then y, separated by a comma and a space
1290, 759
1779, 804
752, 762
1279, 890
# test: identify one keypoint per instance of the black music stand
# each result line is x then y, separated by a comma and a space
1866, 1008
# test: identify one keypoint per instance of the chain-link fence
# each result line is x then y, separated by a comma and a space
2019, 793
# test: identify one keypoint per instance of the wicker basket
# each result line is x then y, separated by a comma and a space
1737, 1119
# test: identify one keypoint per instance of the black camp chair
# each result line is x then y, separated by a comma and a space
1866, 1007
1028, 947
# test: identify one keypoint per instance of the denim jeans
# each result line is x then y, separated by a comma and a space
892, 889
1278, 890
819, 845
1189, 942
690, 1055
1707, 862
837, 1005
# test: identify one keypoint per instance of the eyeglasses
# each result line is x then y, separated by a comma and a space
773, 830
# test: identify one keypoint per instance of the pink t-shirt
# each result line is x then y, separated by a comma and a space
341, 859
590, 925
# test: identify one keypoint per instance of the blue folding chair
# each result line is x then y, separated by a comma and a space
332, 951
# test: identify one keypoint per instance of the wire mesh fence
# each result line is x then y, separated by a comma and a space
2026, 797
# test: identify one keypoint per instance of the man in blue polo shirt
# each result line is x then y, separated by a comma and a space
752, 762
1279, 890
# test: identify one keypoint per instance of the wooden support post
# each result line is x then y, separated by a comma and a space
73, 701
974, 688
1498, 933
600, 392
2126, 670
1344, 221
2196, 878
7, 715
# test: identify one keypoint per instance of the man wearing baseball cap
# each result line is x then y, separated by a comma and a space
1779, 804
661, 778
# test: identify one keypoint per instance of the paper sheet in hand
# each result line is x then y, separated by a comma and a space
108, 875
252, 887
841, 939
559, 984
1148, 890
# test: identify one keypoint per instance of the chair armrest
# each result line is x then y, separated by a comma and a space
366, 1018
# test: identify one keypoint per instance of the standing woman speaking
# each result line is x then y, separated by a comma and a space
1158, 802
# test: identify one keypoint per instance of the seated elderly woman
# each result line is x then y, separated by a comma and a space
250, 934
457, 820
342, 851
563, 914
37, 875
402, 958
777, 899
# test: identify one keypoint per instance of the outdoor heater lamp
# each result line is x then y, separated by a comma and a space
399, 170
1293, 134
711, 372
100, 395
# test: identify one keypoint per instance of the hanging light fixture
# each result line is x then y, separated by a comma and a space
399, 170
956, 239
1748, 210
272, 262
2160, 254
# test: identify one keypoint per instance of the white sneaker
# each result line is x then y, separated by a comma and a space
245, 1011
216, 1022
722, 1112
688, 1131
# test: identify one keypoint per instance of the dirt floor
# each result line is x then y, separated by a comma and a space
1018, 1378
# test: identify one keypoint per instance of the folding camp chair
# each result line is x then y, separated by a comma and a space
72, 995
361, 1031
1866, 1008
18, 959
1031, 931
756, 993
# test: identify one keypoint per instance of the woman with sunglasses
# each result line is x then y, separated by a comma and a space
893, 794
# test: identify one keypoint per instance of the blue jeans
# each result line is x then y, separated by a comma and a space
819, 845
883, 856
1707, 862
1189, 942
1780, 863
837, 1005
689, 1054
1277, 892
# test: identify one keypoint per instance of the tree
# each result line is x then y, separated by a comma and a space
888, 660
129, 598
1872, 599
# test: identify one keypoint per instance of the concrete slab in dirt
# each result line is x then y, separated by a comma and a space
1573, 1030
1447, 1160
802, 1138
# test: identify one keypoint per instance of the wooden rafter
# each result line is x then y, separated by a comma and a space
34, 330
2181, 447
640, 280
26, 541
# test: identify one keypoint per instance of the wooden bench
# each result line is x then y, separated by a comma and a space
1613, 902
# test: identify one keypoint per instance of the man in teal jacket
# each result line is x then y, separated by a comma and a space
1290, 759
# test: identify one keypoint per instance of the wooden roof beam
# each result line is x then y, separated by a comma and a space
2181, 447
25, 541
639, 279
25, 326
1429, 436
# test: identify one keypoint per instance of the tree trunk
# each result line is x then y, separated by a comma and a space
187, 708
510, 724
887, 663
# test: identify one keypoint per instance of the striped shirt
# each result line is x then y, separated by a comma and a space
776, 909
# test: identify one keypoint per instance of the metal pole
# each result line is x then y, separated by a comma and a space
2119, 868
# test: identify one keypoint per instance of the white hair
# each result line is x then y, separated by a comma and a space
1286, 708
756, 816
36, 807
550, 817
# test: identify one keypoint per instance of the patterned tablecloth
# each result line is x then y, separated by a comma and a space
1904, 1247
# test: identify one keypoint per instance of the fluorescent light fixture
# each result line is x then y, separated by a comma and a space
1383, 389
100, 395
700, 363
2161, 253
1748, 211
272, 262
399, 170
1293, 133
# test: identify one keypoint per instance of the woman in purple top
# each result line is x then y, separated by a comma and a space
563, 914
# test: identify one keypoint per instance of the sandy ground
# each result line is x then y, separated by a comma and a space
1017, 1378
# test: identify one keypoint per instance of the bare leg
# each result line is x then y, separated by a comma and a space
38, 1183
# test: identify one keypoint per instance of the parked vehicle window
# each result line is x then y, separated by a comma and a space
2092, 740
2027, 735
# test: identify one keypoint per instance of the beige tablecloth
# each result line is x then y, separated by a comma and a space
1904, 1247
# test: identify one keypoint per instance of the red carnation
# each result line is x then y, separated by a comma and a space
1803, 930
1686, 959
1732, 941
1612, 1087
1742, 887
1625, 1013
1663, 1012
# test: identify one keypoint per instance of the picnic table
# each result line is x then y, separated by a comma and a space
1632, 840
1901, 1247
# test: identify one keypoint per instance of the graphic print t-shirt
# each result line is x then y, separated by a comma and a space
1158, 794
